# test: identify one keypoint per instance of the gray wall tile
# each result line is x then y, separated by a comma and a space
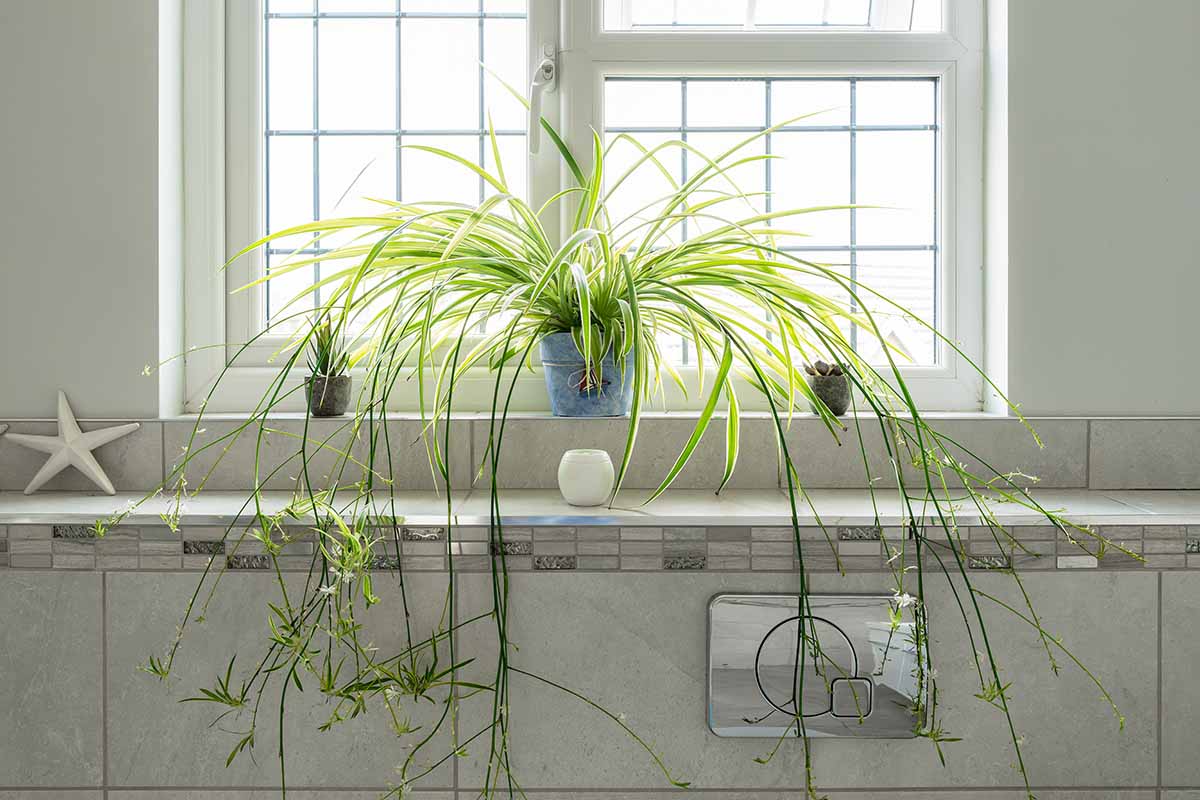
636, 643
50, 701
537, 445
885, 794
1145, 454
50, 794
133, 463
1003, 443
155, 740
409, 461
1180, 698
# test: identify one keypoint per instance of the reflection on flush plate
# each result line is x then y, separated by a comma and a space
859, 677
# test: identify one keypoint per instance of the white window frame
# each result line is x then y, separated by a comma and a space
223, 150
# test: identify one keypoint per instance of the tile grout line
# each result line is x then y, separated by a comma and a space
337, 790
104, 683
454, 587
1159, 694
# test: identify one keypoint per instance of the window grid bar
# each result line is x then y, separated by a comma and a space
853, 201
482, 121
853, 128
774, 78
392, 132
316, 133
266, 168
807, 248
316, 145
395, 15
768, 200
759, 128
685, 356
399, 105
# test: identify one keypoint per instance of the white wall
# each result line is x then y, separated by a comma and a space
78, 210
1103, 206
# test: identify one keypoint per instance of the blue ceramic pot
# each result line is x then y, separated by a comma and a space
573, 393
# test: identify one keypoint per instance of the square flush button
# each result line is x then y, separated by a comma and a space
851, 697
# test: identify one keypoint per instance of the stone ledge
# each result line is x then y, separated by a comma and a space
678, 508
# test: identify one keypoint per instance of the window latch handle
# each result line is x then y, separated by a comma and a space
545, 79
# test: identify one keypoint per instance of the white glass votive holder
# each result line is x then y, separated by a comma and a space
585, 477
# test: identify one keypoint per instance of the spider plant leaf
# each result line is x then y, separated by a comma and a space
585, 314
733, 428
719, 382
471, 165
639, 375
559, 144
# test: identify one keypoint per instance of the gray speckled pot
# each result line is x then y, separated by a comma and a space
834, 391
327, 396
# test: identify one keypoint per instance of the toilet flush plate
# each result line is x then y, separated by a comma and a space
859, 678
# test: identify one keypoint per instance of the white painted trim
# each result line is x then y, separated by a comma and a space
995, 293
545, 168
204, 194
171, 226
243, 169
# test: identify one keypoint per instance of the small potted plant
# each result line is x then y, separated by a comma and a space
829, 384
328, 385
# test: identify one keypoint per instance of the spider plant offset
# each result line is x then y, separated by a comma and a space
436, 292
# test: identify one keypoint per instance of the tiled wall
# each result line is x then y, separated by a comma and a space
617, 612
1079, 453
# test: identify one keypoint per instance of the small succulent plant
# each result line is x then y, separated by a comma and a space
823, 369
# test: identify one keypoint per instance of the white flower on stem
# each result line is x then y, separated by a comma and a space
328, 591
904, 600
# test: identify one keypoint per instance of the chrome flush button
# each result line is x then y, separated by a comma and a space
858, 677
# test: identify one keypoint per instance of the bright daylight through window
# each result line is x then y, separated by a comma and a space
351, 89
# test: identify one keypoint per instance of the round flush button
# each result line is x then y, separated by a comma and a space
828, 657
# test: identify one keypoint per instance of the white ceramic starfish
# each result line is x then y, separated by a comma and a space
71, 448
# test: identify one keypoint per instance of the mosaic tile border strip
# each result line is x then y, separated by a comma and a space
603, 548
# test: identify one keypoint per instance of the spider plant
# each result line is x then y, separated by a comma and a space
327, 355
438, 291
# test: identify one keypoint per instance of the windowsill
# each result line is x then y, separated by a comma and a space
674, 508
525, 415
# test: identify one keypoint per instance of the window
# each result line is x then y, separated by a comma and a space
346, 84
840, 141
878, 101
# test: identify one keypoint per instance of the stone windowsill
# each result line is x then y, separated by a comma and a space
674, 508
